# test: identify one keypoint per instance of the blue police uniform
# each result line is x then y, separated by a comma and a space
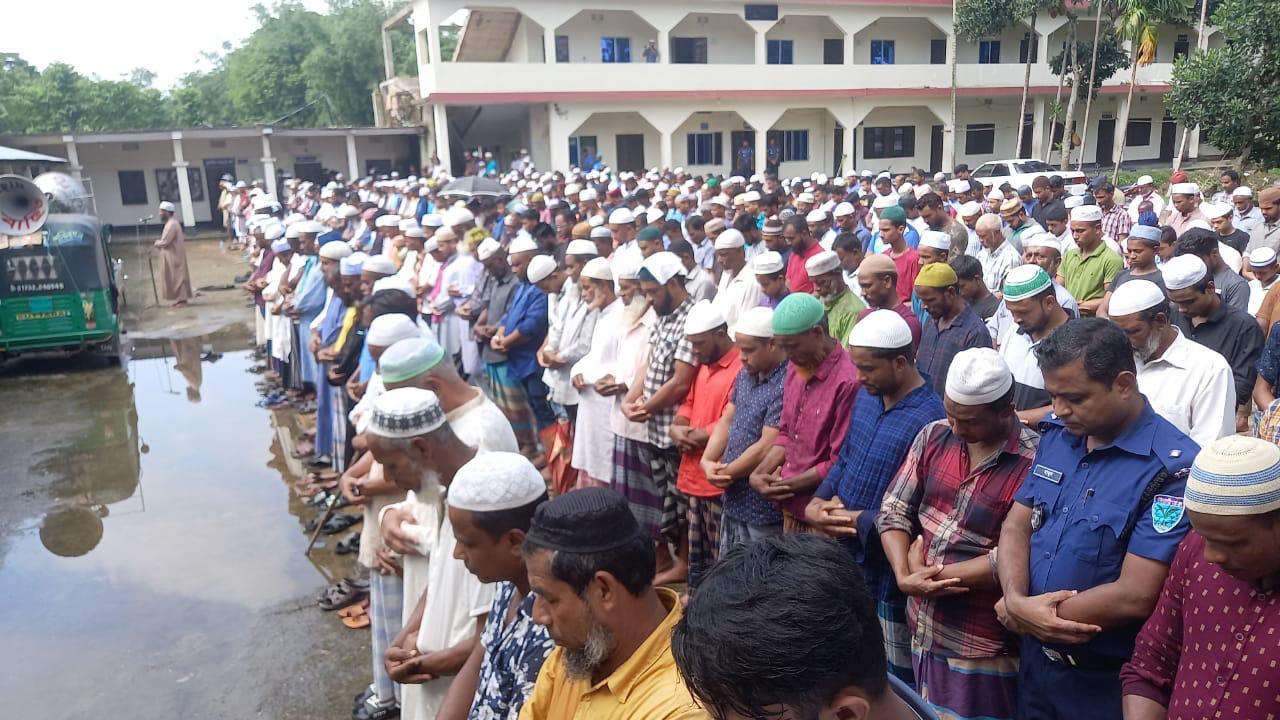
1089, 509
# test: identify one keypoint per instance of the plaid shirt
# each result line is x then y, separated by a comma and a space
959, 513
667, 345
1116, 222
877, 441
939, 346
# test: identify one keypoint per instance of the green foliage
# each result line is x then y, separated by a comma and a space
1112, 58
1233, 92
976, 19
449, 35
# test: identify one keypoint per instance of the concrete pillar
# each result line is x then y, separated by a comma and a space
1193, 143
184, 184
558, 129
664, 149
664, 46
848, 49
1122, 121
433, 44
762, 145
388, 60
73, 157
268, 163
948, 145
353, 163
762, 45
1039, 108
851, 159
440, 130
549, 45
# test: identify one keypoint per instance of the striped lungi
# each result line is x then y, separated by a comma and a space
897, 639
324, 413
968, 688
341, 427
675, 506
509, 395
386, 603
633, 480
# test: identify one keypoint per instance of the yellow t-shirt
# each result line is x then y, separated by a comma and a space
645, 687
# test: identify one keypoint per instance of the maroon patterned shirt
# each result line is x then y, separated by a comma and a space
815, 418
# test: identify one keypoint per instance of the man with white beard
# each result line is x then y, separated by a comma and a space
593, 438
1186, 383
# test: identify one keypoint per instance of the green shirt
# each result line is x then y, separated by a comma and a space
1086, 276
842, 315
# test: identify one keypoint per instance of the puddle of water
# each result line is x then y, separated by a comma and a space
146, 528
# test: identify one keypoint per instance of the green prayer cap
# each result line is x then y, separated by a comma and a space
894, 214
797, 313
649, 234
1025, 281
713, 182
409, 358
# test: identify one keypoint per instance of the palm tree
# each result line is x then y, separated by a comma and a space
1137, 22
1103, 7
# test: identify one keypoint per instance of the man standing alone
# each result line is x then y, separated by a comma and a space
175, 279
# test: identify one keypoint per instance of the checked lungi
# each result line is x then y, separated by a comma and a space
675, 506
633, 480
984, 688
704, 536
510, 397
386, 604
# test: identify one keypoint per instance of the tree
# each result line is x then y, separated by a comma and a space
1233, 92
1137, 22
976, 19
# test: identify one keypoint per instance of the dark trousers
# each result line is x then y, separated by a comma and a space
1049, 690
538, 391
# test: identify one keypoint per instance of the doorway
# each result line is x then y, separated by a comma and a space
630, 152
214, 169
1106, 140
1168, 138
1028, 126
935, 149
741, 167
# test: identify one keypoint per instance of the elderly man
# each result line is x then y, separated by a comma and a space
1185, 199
1032, 301
1246, 216
1078, 591
737, 290
893, 404
842, 306
816, 401
1206, 649
997, 255
1020, 226
1207, 319
1092, 265
718, 366
1186, 383
940, 525
952, 325
1205, 245
175, 279
591, 568
1145, 192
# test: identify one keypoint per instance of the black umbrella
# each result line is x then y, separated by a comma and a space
473, 186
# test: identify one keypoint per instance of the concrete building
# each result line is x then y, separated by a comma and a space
129, 173
837, 84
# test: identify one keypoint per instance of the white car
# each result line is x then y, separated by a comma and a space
1023, 171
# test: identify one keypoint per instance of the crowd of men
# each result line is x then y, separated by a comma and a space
906, 446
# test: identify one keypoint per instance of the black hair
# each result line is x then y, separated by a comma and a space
797, 222
1235, 176
388, 302
530, 214
787, 620
967, 267
543, 230
906, 351
1105, 186
962, 167
671, 225
1056, 213
695, 222
1056, 182
1002, 403
681, 248
1100, 345
570, 217
929, 199
496, 522
1039, 182
1168, 236
847, 242
975, 185
907, 201
744, 223
1196, 241
632, 564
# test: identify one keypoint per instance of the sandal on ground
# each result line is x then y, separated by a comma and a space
360, 608
337, 599
340, 522
348, 546
358, 620
371, 710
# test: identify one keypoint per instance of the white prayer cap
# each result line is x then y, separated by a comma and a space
1145, 180
767, 263
1216, 210
729, 239
290, 232
431, 245
805, 197
721, 200
351, 265
905, 188
380, 265
654, 214
572, 189
1187, 188
883, 201
597, 221
1261, 257
978, 376
703, 317
601, 231
487, 248
957, 186
386, 221
496, 481
839, 181
822, 263
751, 196
884, 176
663, 266
1086, 213
1072, 202
1134, 296
311, 227
407, 223
293, 218
1182, 271
406, 413
415, 232
935, 239
621, 216
273, 230
588, 194
598, 269
625, 267
995, 194
843, 209
540, 268
260, 202
458, 216
348, 211
816, 216
1197, 223
169, 207
522, 243
394, 282
432, 220
335, 250
581, 247
1242, 191
756, 322
881, 329
280, 246
387, 330
1045, 240
969, 209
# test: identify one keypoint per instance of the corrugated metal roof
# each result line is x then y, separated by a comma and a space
8, 154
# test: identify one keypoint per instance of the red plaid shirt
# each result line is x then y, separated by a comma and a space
959, 513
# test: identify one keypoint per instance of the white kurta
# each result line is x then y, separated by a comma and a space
571, 337
1192, 387
593, 436
632, 355
736, 294
453, 332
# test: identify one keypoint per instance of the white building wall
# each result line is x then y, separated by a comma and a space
729, 39
1010, 44
920, 118
807, 33
526, 46
911, 40
606, 127
720, 121
587, 28
821, 127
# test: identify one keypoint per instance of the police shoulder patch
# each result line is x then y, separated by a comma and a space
1166, 512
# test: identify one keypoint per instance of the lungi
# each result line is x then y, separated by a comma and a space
386, 603
509, 395
666, 464
968, 688
704, 535
633, 480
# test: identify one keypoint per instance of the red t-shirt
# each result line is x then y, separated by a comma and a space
797, 277
908, 264
712, 387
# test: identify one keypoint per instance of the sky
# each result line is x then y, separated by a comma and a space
109, 39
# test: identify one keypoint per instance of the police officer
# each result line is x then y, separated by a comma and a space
1086, 548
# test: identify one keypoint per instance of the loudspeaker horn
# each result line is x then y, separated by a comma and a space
23, 207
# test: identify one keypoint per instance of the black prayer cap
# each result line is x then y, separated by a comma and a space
589, 520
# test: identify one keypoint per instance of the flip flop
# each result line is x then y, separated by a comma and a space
340, 522
358, 622
360, 608
337, 599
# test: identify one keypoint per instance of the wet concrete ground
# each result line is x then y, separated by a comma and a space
151, 549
